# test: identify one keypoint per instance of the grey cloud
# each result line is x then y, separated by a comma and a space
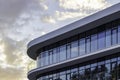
70, 9
11, 73
10, 9
11, 49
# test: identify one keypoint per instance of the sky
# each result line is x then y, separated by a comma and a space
23, 20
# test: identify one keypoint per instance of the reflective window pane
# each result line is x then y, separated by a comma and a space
82, 46
118, 70
108, 71
93, 42
46, 58
50, 57
39, 61
88, 44
62, 77
119, 34
54, 55
108, 38
114, 70
42, 59
101, 40
62, 53
68, 76
74, 49
68, 51
74, 74
114, 36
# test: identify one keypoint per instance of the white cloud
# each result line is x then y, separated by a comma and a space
82, 4
23, 20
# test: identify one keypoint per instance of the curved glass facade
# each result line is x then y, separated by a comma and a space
101, 37
105, 68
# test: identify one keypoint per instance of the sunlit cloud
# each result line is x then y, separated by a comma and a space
23, 20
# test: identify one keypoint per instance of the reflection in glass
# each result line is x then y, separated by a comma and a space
50, 57
114, 36
94, 73
101, 40
74, 49
82, 46
104, 70
68, 76
113, 70
68, 51
38, 61
46, 58
93, 42
54, 55
42, 58
118, 70
108, 38
82, 74
88, 44
108, 72
62, 53
119, 34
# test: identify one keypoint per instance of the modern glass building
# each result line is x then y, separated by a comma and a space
88, 49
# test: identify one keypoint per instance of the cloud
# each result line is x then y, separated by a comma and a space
82, 4
71, 9
11, 73
10, 9
67, 15
48, 19
23, 20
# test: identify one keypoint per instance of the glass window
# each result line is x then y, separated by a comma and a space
113, 70
93, 42
82, 74
62, 77
108, 38
46, 58
94, 73
62, 53
54, 55
114, 36
68, 76
74, 74
82, 46
87, 72
50, 57
108, 71
68, 51
118, 70
42, 58
101, 40
39, 60
88, 44
119, 34
74, 49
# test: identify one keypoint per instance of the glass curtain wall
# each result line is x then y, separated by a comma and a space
106, 68
102, 37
